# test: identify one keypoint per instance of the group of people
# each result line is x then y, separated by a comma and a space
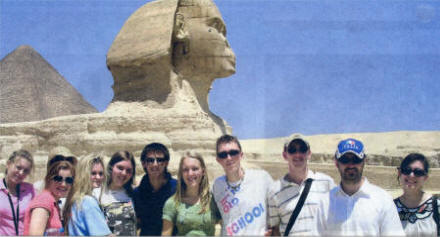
87, 197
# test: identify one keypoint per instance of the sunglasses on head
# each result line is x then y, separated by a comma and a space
157, 159
417, 172
354, 160
293, 150
224, 154
58, 158
60, 179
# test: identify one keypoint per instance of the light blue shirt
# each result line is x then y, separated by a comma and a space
89, 219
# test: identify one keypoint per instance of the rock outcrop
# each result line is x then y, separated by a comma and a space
385, 148
31, 89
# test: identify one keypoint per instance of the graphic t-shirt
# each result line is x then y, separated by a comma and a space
118, 210
243, 204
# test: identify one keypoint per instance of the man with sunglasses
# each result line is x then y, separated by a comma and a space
155, 188
356, 207
240, 194
286, 192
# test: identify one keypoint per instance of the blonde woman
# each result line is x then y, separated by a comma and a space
86, 219
15, 192
191, 209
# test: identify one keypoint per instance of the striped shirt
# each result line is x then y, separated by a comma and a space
285, 195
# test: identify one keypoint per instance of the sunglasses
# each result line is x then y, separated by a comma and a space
224, 154
302, 149
58, 158
354, 160
417, 172
158, 160
60, 179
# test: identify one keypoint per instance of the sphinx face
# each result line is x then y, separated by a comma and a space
203, 50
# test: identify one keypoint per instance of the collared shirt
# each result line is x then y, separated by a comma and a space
149, 204
7, 226
368, 212
284, 197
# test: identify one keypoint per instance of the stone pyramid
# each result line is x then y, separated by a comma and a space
31, 89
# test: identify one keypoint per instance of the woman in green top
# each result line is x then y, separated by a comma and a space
192, 209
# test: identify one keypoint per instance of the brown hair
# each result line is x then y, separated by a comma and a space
117, 157
53, 171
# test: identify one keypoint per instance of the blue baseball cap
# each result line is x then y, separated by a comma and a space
350, 145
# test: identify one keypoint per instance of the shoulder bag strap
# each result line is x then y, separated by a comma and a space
435, 213
299, 206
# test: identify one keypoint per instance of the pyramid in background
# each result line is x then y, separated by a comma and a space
31, 89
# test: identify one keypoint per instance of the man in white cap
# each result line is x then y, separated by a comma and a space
356, 207
286, 193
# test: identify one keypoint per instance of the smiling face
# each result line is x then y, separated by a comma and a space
192, 173
231, 163
202, 48
60, 189
121, 173
97, 175
411, 181
155, 164
18, 170
297, 157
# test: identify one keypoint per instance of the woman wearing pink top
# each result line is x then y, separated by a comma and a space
43, 216
15, 195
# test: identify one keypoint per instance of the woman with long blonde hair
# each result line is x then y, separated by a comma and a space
86, 218
191, 209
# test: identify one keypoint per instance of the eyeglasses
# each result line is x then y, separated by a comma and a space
60, 179
417, 172
354, 160
224, 154
72, 160
302, 149
157, 159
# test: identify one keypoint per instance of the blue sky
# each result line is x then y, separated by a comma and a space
313, 67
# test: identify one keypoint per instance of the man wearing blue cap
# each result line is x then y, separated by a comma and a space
356, 207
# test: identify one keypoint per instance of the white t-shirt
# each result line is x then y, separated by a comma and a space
368, 212
284, 197
243, 209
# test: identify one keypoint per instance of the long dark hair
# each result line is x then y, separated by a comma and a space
117, 157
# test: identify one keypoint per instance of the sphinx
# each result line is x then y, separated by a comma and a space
163, 62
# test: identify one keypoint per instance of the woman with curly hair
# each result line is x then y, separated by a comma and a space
192, 209
87, 218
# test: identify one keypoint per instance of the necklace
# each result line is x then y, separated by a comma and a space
236, 185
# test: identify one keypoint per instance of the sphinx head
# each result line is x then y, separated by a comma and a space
187, 37
200, 47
